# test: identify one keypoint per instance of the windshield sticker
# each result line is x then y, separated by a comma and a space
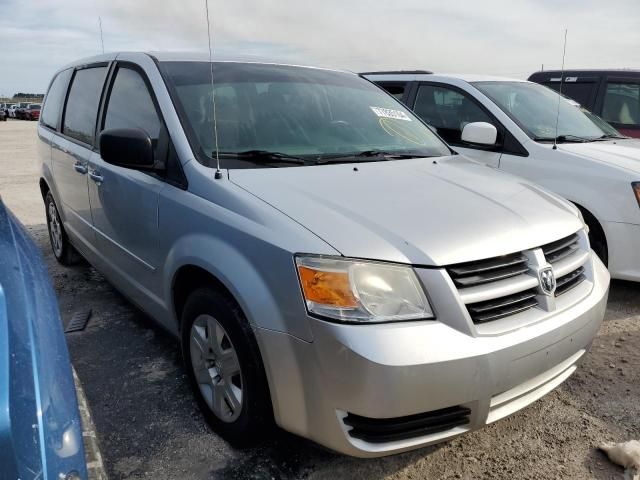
390, 113
403, 130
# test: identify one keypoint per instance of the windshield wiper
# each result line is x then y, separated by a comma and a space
564, 139
608, 136
368, 156
268, 156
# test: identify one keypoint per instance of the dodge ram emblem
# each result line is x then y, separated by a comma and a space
547, 281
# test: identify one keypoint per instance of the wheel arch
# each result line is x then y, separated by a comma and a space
592, 221
265, 286
44, 188
187, 279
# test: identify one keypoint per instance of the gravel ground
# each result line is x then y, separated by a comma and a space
149, 426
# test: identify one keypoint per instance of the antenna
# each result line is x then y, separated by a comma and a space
101, 39
218, 174
564, 51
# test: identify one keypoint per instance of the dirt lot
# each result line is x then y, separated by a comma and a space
149, 426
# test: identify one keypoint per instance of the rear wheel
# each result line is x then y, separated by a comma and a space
62, 248
225, 368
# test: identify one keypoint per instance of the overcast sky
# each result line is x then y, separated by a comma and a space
501, 37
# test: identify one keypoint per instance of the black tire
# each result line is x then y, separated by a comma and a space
256, 413
65, 253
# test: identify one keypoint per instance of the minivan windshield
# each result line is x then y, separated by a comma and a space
279, 115
535, 109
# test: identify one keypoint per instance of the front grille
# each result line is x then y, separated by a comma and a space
570, 281
505, 286
485, 271
380, 430
556, 251
506, 306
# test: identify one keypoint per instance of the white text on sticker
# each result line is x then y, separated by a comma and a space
390, 113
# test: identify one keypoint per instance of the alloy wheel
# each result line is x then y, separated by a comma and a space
55, 230
216, 368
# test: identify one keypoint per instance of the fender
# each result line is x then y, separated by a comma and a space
239, 275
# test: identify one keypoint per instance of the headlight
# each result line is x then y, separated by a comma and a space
636, 190
361, 291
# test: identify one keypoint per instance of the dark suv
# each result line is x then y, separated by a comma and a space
612, 94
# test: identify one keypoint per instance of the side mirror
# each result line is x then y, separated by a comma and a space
480, 133
127, 147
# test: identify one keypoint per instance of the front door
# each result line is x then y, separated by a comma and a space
124, 202
448, 110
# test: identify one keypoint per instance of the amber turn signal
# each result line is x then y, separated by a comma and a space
327, 288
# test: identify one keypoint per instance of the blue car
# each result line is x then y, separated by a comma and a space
40, 427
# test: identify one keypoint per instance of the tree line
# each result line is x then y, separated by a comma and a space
28, 95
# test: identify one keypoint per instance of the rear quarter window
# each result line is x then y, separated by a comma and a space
55, 99
396, 89
622, 103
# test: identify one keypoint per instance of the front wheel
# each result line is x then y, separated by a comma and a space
62, 248
225, 367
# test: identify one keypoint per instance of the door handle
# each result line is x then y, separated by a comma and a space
80, 167
96, 177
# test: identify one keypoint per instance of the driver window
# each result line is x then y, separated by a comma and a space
130, 104
448, 111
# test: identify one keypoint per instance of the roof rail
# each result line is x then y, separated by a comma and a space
398, 72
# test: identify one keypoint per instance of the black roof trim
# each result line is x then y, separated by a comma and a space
621, 72
398, 72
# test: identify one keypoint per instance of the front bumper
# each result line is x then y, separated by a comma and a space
404, 369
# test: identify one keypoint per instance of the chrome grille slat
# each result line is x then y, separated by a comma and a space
569, 264
560, 244
490, 270
501, 288
560, 249
501, 302
486, 265
505, 286
513, 309
570, 281
559, 255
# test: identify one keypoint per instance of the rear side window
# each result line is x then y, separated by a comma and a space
130, 104
394, 88
581, 92
622, 103
55, 99
82, 106
448, 111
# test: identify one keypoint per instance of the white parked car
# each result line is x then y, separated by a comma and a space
511, 125
12, 111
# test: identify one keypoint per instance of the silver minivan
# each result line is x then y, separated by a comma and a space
325, 259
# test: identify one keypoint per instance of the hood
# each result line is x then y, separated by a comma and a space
623, 153
418, 211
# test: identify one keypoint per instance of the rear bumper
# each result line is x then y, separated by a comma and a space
399, 370
623, 242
